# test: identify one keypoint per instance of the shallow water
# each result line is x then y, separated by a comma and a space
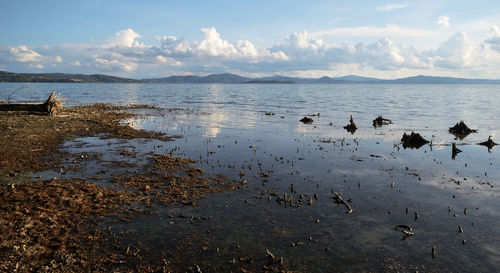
225, 126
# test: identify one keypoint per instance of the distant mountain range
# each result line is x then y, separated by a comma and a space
228, 78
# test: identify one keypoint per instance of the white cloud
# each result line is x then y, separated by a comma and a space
392, 7
494, 40
113, 61
38, 66
23, 54
443, 21
300, 53
456, 52
124, 38
214, 46
383, 54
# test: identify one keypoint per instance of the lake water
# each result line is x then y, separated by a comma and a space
225, 126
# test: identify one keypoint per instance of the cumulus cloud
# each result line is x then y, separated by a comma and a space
456, 52
392, 7
300, 52
23, 54
124, 38
494, 40
214, 46
443, 21
382, 54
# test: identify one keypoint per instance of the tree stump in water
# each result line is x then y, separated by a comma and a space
51, 106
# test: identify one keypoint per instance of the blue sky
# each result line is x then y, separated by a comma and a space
140, 39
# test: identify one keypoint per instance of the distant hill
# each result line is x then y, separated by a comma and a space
439, 80
231, 78
61, 77
213, 78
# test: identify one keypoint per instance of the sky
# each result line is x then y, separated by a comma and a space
154, 38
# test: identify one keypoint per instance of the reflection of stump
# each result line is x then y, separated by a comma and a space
454, 150
51, 106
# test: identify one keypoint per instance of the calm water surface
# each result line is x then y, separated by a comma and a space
225, 126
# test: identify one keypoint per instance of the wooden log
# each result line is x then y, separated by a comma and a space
51, 106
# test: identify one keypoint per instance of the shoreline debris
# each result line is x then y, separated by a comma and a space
307, 120
461, 130
351, 127
413, 140
51, 106
339, 200
379, 121
407, 231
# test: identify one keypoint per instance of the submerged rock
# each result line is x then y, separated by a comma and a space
413, 140
461, 130
379, 121
307, 120
351, 127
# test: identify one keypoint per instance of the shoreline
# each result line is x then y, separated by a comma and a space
56, 224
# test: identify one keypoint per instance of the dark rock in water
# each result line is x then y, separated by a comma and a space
307, 120
379, 121
351, 127
488, 143
454, 151
461, 130
269, 114
413, 140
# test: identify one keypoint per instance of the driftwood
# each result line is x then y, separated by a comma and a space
339, 200
53, 104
